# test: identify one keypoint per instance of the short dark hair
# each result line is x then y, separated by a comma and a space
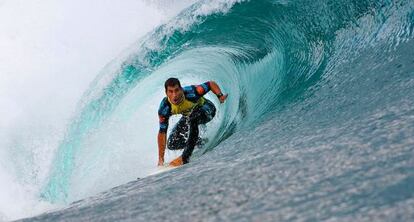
172, 82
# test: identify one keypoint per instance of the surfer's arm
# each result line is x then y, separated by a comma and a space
204, 88
164, 113
215, 88
162, 137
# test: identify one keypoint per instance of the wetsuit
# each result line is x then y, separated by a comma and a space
195, 109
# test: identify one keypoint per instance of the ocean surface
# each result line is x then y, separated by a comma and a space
318, 125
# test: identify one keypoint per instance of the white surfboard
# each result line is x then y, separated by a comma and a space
161, 169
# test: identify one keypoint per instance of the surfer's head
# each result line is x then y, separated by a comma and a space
174, 91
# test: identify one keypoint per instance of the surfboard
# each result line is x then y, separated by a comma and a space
158, 170
161, 169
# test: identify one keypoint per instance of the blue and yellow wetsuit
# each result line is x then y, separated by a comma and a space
195, 109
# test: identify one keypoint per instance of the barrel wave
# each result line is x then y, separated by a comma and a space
320, 115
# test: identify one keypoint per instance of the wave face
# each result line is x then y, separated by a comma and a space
320, 89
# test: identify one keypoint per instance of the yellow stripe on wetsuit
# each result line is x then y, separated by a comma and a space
186, 106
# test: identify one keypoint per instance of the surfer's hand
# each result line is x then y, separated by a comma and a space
223, 98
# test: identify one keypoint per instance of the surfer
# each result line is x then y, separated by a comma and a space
195, 110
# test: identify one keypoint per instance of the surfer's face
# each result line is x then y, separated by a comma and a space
175, 94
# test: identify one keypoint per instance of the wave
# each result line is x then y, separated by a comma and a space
266, 54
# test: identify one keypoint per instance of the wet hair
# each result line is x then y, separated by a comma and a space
172, 82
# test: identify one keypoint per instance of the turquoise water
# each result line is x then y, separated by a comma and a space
319, 124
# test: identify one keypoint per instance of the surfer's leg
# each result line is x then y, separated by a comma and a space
178, 137
192, 139
200, 115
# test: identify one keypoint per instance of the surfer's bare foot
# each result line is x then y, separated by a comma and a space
177, 162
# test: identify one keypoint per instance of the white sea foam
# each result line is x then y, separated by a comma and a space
50, 52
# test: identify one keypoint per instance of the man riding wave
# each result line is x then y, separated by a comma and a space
196, 110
